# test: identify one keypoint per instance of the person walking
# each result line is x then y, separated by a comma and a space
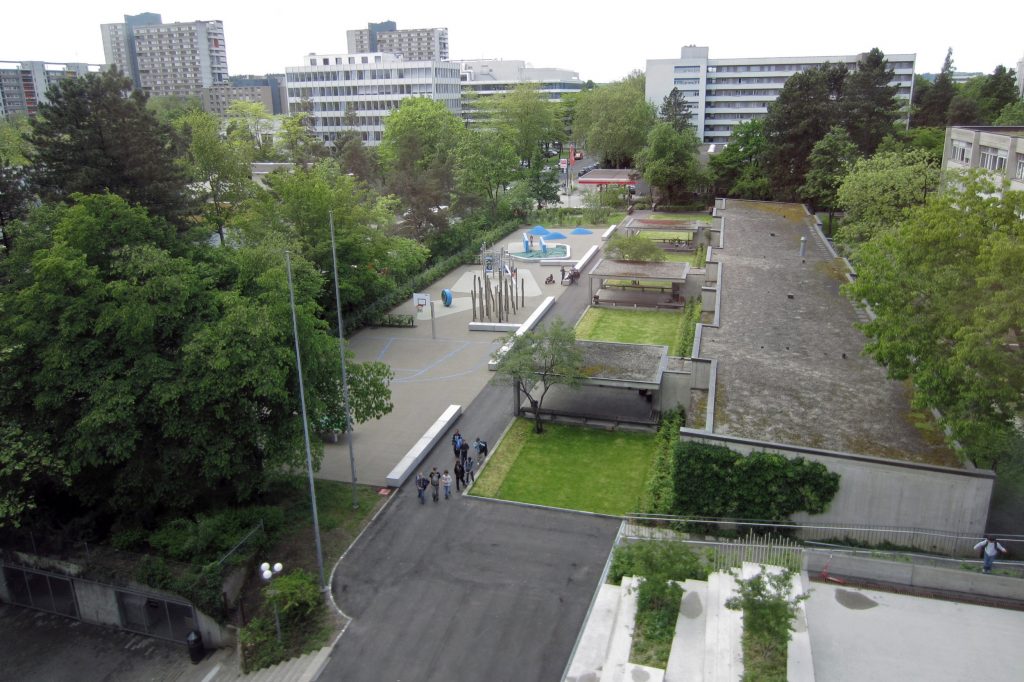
446, 481
563, 274
470, 466
435, 483
990, 548
481, 447
463, 452
457, 442
460, 475
421, 487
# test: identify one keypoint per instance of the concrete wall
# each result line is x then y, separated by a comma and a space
882, 492
97, 603
675, 390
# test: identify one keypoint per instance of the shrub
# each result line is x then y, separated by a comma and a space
657, 610
691, 316
649, 558
296, 594
768, 614
659, 491
713, 481
209, 537
260, 648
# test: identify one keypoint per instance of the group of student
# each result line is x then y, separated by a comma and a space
464, 468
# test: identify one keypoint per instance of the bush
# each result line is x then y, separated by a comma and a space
768, 614
260, 648
650, 558
713, 481
657, 610
691, 316
296, 594
659, 491
209, 537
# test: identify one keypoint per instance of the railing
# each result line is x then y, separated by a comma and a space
852, 535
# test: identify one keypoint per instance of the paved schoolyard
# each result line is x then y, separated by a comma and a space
432, 373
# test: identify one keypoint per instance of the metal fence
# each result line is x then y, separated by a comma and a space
851, 535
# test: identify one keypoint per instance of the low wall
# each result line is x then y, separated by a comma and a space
419, 451
915, 575
882, 492
607, 234
530, 323
506, 327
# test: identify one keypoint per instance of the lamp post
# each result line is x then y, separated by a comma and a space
344, 376
267, 572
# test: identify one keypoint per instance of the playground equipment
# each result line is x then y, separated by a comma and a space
497, 289
446, 297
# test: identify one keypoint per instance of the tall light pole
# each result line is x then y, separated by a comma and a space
344, 376
305, 423
267, 572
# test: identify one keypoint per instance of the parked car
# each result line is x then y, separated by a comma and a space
550, 153
579, 155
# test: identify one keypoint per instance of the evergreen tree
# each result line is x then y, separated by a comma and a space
869, 105
95, 134
997, 91
675, 110
934, 108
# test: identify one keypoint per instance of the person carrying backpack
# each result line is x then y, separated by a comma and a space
457, 441
481, 446
990, 549
421, 487
435, 483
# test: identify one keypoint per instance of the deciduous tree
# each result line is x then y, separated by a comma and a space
669, 161
613, 120
831, 160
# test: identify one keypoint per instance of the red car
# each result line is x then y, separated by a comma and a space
579, 155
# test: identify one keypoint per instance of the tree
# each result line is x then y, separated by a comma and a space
250, 124
831, 160
963, 111
669, 162
878, 191
297, 142
675, 111
869, 105
14, 145
1011, 115
997, 91
539, 359
935, 100
218, 168
169, 108
738, 170
15, 199
634, 247
613, 120
532, 120
540, 181
159, 373
945, 289
930, 140
28, 467
806, 109
90, 137
487, 164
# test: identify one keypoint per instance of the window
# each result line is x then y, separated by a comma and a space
993, 159
961, 152
1020, 167
690, 68
686, 81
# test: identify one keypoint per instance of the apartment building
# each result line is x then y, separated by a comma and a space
269, 91
723, 93
416, 44
23, 85
358, 91
997, 149
177, 59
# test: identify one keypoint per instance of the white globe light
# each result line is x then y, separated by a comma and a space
264, 567
278, 567
267, 575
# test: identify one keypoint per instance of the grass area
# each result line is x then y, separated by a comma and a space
764, 658
569, 467
696, 217
667, 235
683, 257
660, 327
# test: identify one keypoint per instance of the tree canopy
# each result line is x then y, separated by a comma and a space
613, 120
944, 283
95, 134
669, 162
831, 160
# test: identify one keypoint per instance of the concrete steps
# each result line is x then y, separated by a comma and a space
723, 632
592, 648
621, 641
304, 668
686, 659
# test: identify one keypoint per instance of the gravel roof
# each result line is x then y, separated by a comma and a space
614, 363
626, 269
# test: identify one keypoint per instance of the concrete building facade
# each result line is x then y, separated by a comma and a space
415, 44
268, 91
358, 91
177, 59
23, 85
726, 92
486, 77
996, 149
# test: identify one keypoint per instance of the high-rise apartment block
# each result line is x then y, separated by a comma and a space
416, 44
266, 90
723, 93
23, 85
358, 91
178, 59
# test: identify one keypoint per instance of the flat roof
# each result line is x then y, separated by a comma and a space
632, 269
790, 363
605, 176
623, 365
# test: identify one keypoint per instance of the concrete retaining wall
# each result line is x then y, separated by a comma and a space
506, 327
526, 326
419, 451
882, 492
921, 577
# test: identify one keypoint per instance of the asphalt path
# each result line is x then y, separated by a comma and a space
469, 589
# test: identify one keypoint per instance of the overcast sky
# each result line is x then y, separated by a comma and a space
600, 39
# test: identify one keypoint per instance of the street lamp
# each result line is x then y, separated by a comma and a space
267, 572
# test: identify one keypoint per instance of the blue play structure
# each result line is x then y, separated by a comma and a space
526, 243
543, 246
446, 297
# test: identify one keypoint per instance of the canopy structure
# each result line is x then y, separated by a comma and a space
581, 230
555, 235
625, 176
664, 277
539, 230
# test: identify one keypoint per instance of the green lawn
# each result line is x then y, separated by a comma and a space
697, 217
571, 467
667, 235
681, 257
660, 327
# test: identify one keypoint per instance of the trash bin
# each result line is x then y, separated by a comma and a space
196, 651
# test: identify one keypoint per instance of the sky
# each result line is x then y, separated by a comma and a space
601, 40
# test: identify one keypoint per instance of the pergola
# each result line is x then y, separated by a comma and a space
623, 365
609, 177
673, 273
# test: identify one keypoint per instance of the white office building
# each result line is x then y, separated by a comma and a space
999, 150
486, 77
178, 59
723, 93
358, 91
